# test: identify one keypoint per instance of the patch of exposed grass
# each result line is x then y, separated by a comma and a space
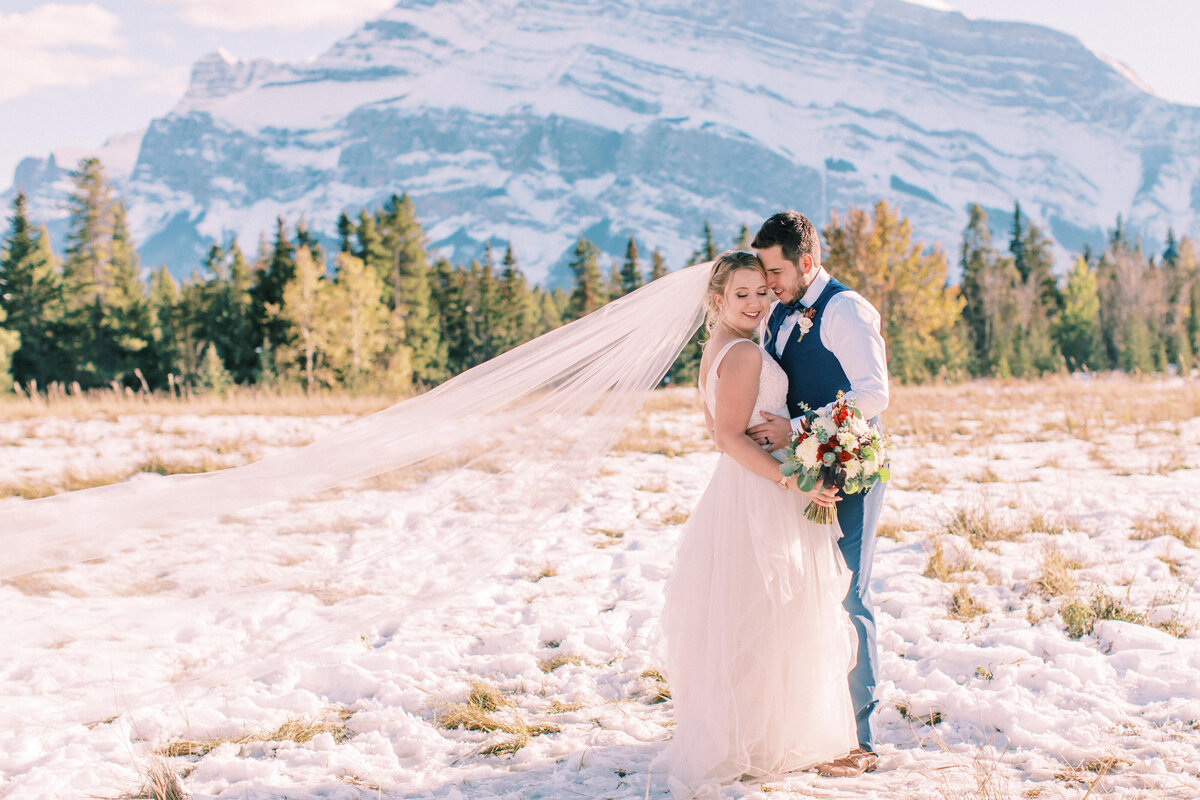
980, 527
923, 478
940, 566
300, 730
676, 516
1080, 617
659, 692
547, 571
559, 707
963, 606
482, 712
657, 486
1056, 578
160, 782
1163, 524
554, 662
890, 529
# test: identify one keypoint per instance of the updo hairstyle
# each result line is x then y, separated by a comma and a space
723, 268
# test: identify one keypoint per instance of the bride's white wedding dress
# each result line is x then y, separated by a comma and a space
758, 644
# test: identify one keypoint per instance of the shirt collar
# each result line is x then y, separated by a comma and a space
815, 288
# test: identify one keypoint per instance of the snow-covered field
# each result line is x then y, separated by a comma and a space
1017, 516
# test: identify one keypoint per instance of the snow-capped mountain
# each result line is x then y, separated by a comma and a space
536, 121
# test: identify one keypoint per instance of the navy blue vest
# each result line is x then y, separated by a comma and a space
814, 374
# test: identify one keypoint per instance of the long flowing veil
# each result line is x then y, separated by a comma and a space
514, 437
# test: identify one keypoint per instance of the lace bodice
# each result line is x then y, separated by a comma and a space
772, 385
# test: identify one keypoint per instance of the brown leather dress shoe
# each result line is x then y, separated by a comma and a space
854, 763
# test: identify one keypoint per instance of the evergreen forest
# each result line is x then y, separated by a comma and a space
382, 314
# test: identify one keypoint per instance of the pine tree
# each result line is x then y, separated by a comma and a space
126, 318
517, 305
452, 313
31, 296
743, 240
631, 271
976, 262
371, 250
403, 240
1181, 276
271, 328
86, 273
1078, 326
164, 316
589, 293
240, 346
345, 229
658, 265
708, 249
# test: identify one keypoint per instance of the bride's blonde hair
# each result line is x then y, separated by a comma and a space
723, 268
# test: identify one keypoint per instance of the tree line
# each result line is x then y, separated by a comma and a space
381, 315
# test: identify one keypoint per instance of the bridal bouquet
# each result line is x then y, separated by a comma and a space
839, 449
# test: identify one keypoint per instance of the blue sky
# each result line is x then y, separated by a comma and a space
74, 73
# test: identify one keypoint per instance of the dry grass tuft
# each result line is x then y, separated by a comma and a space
547, 571
553, 663
300, 730
480, 712
979, 527
940, 567
895, 531
676, 516
660, 692
924, 478
1080, 618
1163, 524
559, 707
963, 606
160, 782
1056, 578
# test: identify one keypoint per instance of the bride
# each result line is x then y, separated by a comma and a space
758, 644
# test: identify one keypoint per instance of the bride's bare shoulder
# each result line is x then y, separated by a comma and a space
741, 360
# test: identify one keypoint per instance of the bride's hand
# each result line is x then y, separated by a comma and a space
823, 496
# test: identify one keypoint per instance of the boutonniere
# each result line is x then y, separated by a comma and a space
805, 322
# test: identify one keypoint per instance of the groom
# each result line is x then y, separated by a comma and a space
826, 338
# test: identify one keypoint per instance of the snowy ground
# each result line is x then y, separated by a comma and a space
1011, 513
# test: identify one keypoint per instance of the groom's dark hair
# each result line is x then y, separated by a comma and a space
794, 234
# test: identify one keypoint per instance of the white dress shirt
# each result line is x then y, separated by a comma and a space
849, 330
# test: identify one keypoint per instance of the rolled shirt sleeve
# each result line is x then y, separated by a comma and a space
850, 330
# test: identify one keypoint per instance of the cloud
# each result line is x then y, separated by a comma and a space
247, 15
60, 46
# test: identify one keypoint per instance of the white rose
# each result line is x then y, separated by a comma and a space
858, 426
853, 468
805, 324
806, 451
869, 467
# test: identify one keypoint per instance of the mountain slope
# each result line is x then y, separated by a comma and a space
536, 121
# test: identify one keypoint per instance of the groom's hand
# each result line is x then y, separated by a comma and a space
772, 434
